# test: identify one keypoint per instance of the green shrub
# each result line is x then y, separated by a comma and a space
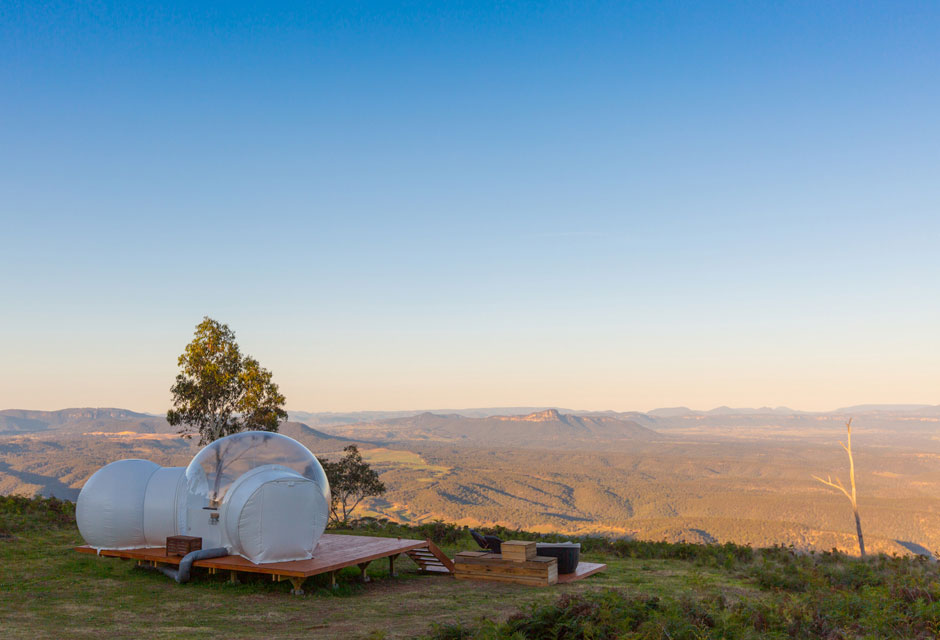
19, 514
818, 613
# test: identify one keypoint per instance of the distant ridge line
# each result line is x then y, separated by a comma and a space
94, 419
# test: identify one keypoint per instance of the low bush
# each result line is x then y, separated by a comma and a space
832, 614
19, 514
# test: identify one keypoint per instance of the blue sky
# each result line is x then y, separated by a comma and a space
622, 205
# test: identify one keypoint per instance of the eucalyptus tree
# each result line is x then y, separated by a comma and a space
351, 481
218, 391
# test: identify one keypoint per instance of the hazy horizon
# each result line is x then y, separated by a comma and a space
523, 407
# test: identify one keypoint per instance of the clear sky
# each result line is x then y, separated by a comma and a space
427, 205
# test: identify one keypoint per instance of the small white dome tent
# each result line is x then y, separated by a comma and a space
261, 495
111, 507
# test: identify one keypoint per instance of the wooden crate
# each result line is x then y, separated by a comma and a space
181, 545
518, 550
475, 565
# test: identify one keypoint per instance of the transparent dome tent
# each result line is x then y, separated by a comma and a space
220, 464
261, 495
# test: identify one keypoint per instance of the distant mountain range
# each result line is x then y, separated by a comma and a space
548, 427
675, 412
540, 428
353, 417
494, 424
919, 409
105, 420
109, 421
648, 418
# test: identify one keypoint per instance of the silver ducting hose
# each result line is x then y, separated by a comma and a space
181, 573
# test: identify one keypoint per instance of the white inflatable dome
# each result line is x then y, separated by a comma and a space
261, 495
110, 508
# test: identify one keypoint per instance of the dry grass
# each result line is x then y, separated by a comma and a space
49, 591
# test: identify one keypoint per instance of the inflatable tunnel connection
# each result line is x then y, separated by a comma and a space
261, 495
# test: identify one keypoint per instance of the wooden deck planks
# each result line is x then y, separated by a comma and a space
333, 552
584, 570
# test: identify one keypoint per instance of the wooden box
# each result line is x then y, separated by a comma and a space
181, 545
475, 565
518, 550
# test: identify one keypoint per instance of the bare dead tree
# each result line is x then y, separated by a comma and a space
837, 484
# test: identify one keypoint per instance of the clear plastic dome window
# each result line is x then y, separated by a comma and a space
214, 469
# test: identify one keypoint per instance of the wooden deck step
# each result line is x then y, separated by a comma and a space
425, 560
431, 559
438, 569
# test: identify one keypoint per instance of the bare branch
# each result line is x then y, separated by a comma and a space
837, 484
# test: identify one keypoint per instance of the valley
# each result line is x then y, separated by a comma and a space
723, 476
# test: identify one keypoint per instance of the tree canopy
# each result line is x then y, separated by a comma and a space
218, 391
351, 480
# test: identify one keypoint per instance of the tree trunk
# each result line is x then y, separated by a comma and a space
858, 531
858, 522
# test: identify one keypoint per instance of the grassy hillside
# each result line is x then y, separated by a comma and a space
651, 590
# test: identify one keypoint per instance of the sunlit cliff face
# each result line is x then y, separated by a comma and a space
548, 415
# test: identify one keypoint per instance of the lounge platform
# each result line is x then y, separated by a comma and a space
334, 552
537, 571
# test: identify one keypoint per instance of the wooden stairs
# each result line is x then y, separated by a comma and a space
431, 559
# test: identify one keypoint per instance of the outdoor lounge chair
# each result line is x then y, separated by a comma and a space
490, 543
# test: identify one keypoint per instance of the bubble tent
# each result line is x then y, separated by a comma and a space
259, 501
220, 464
261, 495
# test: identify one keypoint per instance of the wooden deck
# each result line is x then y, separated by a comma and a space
334, 552
584, 570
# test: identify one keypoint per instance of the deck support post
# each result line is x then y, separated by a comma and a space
391, 566
233, 577
362, 572
297, 583
333, 584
